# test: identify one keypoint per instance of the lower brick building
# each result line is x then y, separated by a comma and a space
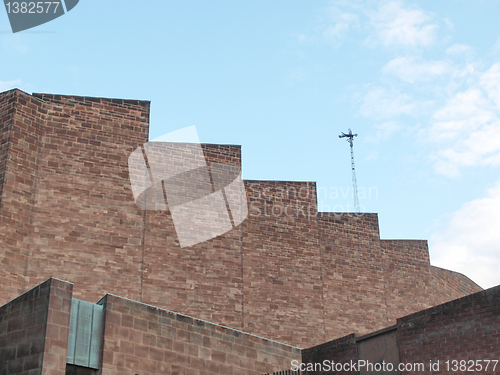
287, 277
458, 337
47, 331
42, 332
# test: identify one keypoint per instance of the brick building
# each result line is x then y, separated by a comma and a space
457, 337
244, 302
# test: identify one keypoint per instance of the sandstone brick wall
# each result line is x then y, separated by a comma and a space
142, 339
137, 339
281, 263
88, 230
353, 274
11, 284
286, 273
204, 280
407, 277
6, 99
449, 285
380, 347
66, 208
21, 131
342, 350
34, 330
463, 329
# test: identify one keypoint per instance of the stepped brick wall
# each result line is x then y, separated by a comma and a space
287, 273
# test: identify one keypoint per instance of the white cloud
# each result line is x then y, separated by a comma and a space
397, 25
389, 23
458, 49
460, 102
411, 69
465, 112
296, 75
495, 49
382, 103
470, 242
340, 23
383, 131
373, 155
449, 24
453, 103
466, 129
8, 85
490, 82
302, 38
16, 43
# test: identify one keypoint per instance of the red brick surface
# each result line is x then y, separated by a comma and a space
204, 280
6, 100
281, 263
353, 274
343, 350
407, 277
466, 329
34, 330
137, 339
58, 318
142, 339
86, 227
20, 124
449, 285
286, 273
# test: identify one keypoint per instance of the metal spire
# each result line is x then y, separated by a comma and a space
349, 139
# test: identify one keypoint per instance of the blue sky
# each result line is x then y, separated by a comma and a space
419, 81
